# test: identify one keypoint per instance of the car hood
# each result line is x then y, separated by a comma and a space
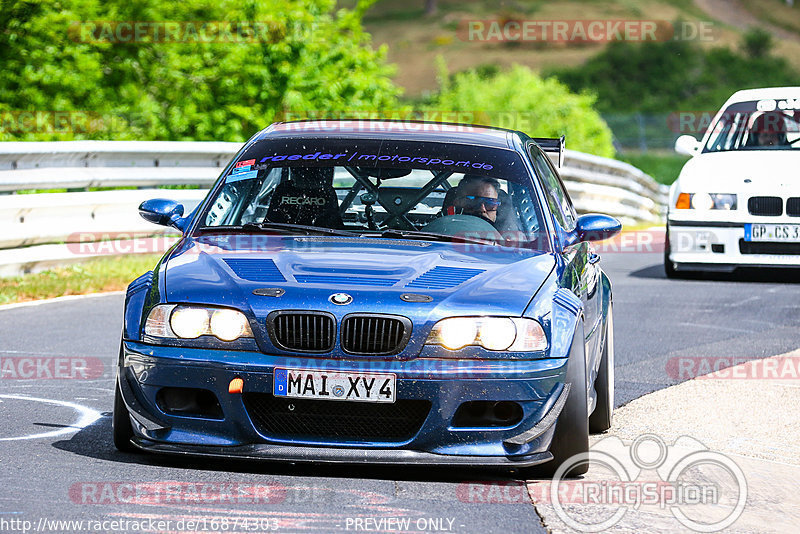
459, 279
726, 172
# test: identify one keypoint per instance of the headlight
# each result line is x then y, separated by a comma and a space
723, 201
228, 325
455, 333
702, 201
190, 322
706, 201
513, 334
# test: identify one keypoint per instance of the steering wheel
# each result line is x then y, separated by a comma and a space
455, 225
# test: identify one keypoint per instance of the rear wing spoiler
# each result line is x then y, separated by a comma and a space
552, 144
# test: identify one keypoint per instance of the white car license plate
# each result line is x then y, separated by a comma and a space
323, 385
787, 233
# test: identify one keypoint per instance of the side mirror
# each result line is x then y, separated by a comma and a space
163, 212
596, 227
687, 145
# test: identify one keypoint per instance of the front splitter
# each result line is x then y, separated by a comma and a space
338, 455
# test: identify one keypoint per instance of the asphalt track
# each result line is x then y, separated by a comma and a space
57, 462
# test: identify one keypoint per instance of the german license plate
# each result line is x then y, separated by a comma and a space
785, 233
323, 385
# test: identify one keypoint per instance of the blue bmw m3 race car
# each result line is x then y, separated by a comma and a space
374, 292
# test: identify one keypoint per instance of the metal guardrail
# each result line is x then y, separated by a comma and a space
38, 228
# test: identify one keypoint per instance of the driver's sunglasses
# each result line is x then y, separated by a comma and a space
490, 203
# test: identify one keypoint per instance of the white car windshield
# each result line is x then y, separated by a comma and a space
757, 125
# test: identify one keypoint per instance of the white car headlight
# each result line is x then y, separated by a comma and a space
706, 201
723, 201
512, 334
190, 322
702, 201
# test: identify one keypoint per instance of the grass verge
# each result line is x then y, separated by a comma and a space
93, 276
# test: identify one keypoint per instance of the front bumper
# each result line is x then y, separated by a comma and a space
536, 385
720, 246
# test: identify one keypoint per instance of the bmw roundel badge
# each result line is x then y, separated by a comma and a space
341, 299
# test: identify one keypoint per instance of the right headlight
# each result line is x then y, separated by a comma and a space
510, 334
190, 322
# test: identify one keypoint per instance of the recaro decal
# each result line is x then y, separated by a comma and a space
304, 201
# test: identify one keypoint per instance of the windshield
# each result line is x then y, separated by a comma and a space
757, 125
395, 189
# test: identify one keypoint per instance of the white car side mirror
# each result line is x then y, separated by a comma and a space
687, 145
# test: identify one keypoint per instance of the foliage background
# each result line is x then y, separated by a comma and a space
318, 61
316, 57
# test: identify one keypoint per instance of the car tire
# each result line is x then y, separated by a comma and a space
670, 266
603, 413
572, 428
121, 424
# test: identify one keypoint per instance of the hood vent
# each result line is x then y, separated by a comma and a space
443, 278
344, 280
255, 270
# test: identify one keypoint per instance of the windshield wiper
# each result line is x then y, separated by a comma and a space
267, 225
416, 234
287, 227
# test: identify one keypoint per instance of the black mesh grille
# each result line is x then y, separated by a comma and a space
793, 207
302, 331
754, 247
767, 206
374, 334
335, 420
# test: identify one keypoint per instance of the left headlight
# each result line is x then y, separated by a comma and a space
511, 334
190, 322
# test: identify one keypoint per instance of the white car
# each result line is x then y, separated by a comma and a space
736, 203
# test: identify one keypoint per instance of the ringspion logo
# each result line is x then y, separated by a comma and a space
704, 490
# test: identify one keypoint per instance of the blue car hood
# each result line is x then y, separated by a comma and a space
460, 279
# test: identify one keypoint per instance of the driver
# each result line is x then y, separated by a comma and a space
769, 129
477, 195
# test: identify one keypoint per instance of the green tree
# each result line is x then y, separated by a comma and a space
757, 43
522, 100
304, 58
662, 77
